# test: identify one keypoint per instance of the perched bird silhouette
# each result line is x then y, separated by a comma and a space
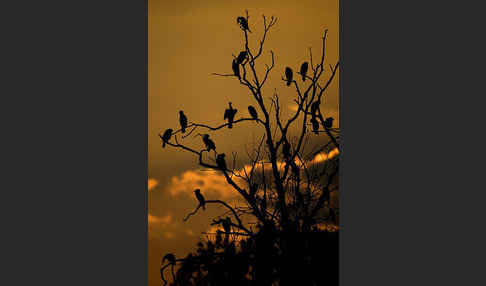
253, 112
315, 107
243, 23
286, 149
200, 198
315, 124
220, 161
166, 136
209, 143
236, 69
303, 70
289, 75
328, 122
169, 257
227, 224
230, 115
241, 57
253, 189
183, 121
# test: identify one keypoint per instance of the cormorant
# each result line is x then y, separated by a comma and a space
169, 257
328, 122
303, 70
253, 112
243, 23
200, 198
236, 69
289, 75
241, 57
209, 143
166, 136
220, 161
183, 121
230, 115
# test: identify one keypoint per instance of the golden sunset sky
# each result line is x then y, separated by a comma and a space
189, 40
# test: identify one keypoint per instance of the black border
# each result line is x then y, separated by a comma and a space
75, 201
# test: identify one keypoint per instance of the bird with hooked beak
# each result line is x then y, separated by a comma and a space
200, 198
166, 137
230, 115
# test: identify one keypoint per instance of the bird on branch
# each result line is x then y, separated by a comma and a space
236, 69
253, 112
243, 23
183, 121
328, 122
166, 137
303, 70
241, 57
230, 115
221, 162
209, 143
289, 75
200, 198
169, 257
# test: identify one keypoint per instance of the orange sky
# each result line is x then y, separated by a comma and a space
189, 40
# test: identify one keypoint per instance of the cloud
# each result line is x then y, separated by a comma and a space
162, 226
163, 221
212, 184
189, 232
152, 183
321, 157
169, 235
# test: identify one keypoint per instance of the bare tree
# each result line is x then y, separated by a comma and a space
286, 186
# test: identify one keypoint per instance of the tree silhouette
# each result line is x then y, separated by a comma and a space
289, 190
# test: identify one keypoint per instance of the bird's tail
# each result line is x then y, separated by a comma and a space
288, 82
183, 130
204, 207
230, 125
303, 77
163, 144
